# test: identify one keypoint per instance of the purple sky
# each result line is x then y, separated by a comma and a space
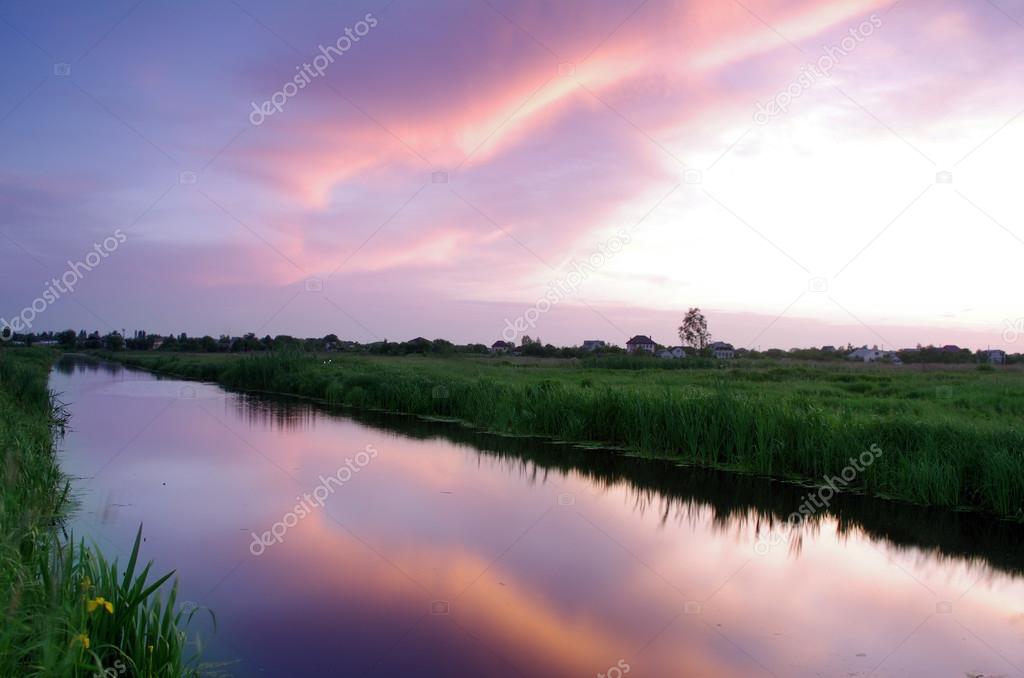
591, 167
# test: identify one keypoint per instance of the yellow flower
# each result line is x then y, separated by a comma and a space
150, 648
83, 639
102, 602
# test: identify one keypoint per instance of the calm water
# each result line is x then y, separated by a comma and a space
451, 553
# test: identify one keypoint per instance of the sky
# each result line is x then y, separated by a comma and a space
807, 172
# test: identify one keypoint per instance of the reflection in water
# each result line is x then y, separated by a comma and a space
462, 553
732, 501
280, 414
70, 364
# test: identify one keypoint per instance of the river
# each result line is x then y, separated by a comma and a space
336, 543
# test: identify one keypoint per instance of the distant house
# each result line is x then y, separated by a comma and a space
994, 357
672, 352
722, 350
828, 349
867, 355
501, 347
157, 343
640, 343
593, 344
951, 348
873, 355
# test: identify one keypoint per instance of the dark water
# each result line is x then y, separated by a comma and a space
439, 551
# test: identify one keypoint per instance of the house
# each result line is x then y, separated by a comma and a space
873, 355
593, 344
828, 349
951, 348
640, 343
994, 357
157, 343
865, 354
722, 350
672, 352
501, 347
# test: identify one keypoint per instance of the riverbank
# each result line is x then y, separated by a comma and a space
942, 438
66, 610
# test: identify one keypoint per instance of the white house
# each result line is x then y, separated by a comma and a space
873, 355
501, 347
994, 357
867, 355
722, 350
640, 343
673, 352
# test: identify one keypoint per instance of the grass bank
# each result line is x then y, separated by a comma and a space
65, 609
948, 438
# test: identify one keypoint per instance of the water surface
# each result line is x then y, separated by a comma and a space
440, 551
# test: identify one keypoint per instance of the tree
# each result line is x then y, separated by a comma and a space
694, 330
67, 339
113, 342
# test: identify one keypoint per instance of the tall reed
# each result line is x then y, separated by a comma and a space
798, 423
65, 610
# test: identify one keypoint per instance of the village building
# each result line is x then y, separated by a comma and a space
873, 355
640, 343
722, 350
994, 356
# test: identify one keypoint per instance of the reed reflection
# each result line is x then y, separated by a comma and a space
732, 503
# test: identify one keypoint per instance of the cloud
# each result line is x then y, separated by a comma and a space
556, 125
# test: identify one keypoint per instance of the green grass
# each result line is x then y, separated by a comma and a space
951, 438
48, 626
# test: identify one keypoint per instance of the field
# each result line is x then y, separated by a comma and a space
950, 438
66, 610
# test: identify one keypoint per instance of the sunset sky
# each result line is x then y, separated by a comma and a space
460, 162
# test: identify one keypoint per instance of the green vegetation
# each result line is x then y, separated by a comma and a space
949, 438
66, 610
